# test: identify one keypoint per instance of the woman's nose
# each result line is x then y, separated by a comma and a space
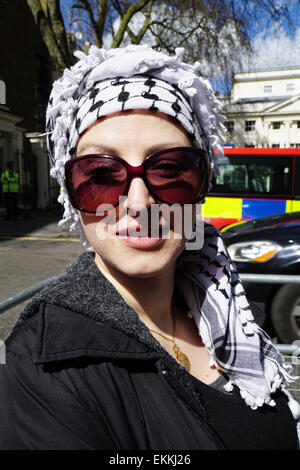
138, 197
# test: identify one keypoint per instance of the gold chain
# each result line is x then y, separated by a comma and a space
180, 356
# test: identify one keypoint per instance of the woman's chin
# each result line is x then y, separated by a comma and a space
139, 258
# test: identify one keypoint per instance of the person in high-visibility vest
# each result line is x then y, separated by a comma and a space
10, 190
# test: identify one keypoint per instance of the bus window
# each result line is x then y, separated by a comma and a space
247, 174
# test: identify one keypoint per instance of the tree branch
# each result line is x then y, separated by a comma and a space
132, 36
116, 5
85, 5
98, 23
131, 10
146, 22
166, 27
137, 38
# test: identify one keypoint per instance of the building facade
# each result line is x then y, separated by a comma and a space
264, 109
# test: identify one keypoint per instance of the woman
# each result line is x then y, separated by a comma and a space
146, 342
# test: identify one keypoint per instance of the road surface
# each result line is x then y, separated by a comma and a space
26, 261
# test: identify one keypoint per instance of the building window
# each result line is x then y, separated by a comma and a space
229, 126
295, 146
268, 89
290, 87
249, 126
298, 124
276, 124
249, 145
275, 146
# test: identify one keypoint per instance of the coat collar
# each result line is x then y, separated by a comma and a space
79, 308
63, 334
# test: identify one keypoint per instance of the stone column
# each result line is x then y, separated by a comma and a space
287, 125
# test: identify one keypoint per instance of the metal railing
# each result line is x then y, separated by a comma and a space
23, 295
291, 354
270, 278
259, 278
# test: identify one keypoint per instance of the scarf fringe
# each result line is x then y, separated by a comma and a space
280, 380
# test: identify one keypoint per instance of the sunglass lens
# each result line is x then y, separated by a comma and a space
177, 176
95, 181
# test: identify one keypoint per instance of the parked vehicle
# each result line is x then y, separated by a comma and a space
270, 245
253, 183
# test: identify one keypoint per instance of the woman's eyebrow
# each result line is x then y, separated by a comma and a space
105, 149
97, 148
163, 146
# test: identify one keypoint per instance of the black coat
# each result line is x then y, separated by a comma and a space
83, 372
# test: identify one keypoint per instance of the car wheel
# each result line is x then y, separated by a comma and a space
285, 313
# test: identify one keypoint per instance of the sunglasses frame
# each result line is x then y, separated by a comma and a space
141, 172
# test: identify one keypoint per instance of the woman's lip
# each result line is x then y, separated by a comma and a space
158, 232
140, 242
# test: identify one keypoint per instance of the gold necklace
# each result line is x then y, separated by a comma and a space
180, 356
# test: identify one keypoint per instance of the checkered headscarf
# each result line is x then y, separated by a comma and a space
137, 92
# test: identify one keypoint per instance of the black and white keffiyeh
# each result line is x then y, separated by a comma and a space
212, 289
137, 92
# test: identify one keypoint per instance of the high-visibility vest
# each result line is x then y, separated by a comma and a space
10, 182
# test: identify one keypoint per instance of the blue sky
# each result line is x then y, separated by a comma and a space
264, 24
274, 45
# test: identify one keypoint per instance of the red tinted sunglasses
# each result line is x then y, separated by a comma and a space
176, 175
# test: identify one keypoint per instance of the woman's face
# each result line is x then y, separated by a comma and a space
133, 135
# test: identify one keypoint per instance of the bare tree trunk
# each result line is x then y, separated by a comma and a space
57, 24
60, 58
101, 20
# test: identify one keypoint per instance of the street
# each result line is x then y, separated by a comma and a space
27, 261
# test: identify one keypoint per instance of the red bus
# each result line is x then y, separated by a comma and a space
254, 182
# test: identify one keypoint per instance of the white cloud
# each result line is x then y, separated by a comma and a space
274, 50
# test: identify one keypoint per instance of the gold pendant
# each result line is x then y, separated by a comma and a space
181, 357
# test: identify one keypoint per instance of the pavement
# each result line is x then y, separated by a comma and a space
35, 224
32, 249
